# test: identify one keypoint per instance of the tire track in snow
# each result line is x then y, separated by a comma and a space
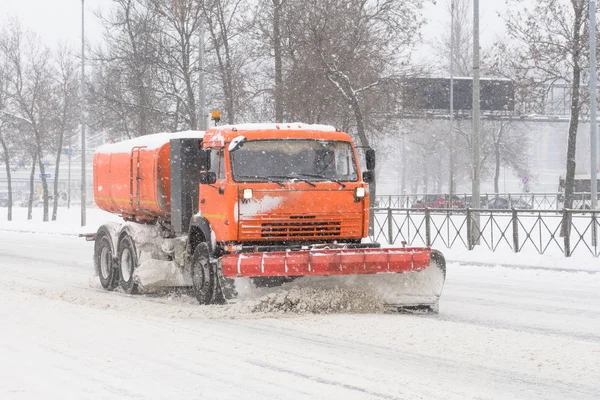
450, 366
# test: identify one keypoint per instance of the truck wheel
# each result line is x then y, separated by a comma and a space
127, 264
202, 275
103, 260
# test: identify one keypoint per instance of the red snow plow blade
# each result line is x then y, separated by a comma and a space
404, 279
325, 262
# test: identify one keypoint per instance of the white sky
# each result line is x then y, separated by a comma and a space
491, 25
55, 20
60, 20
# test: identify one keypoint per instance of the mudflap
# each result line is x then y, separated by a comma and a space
225, 287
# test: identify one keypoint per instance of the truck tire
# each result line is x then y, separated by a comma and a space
203, 276
128, 262
104, 263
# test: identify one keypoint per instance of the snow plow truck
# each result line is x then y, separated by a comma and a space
270, 203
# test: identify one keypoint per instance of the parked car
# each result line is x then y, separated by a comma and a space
503, 203
483, 201
438, 201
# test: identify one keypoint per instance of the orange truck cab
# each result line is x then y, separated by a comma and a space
272, 202
282, 185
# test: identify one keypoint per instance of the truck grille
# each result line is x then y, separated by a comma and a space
308, 229
305, 227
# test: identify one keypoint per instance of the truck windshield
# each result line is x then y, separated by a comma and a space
294, 159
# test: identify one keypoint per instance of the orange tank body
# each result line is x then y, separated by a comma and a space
132, 178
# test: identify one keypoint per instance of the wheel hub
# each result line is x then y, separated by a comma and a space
126, 265
105, 262
198, 275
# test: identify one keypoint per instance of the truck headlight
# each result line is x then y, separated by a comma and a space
359, 192
247, 194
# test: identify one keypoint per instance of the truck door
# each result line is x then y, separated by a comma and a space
213, 204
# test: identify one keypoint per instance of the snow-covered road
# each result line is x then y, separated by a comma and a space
502, 333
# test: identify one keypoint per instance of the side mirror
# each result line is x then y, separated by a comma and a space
204, 160
370, 155
208, 178
368, 176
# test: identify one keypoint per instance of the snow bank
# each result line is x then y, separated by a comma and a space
581, 261
68, 220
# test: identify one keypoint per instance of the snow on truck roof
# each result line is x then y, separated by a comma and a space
273, 126
156, 140
153, 141
220, 135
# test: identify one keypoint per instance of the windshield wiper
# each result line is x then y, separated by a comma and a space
267, 178
293, 177
325, 178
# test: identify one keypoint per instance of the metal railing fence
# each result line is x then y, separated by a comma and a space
540, 231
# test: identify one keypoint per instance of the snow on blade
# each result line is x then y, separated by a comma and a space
317, 300
343, 294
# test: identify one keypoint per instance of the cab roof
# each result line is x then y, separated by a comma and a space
220, 135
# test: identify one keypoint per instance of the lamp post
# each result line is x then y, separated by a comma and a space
476, 126
451, 177
593, 121
82, 111
593, 109
201, 92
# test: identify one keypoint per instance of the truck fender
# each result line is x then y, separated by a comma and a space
200, 231
130, 230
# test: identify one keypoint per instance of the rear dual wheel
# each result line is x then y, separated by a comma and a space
128, 263
104, 261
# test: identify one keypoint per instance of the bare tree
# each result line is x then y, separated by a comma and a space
179, 54
463, 39
278, 56
359, 47
125, 90
30, 80
552, 40
6, 139
65, 117
228, 24
505, 145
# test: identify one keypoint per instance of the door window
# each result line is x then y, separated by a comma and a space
217, 163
